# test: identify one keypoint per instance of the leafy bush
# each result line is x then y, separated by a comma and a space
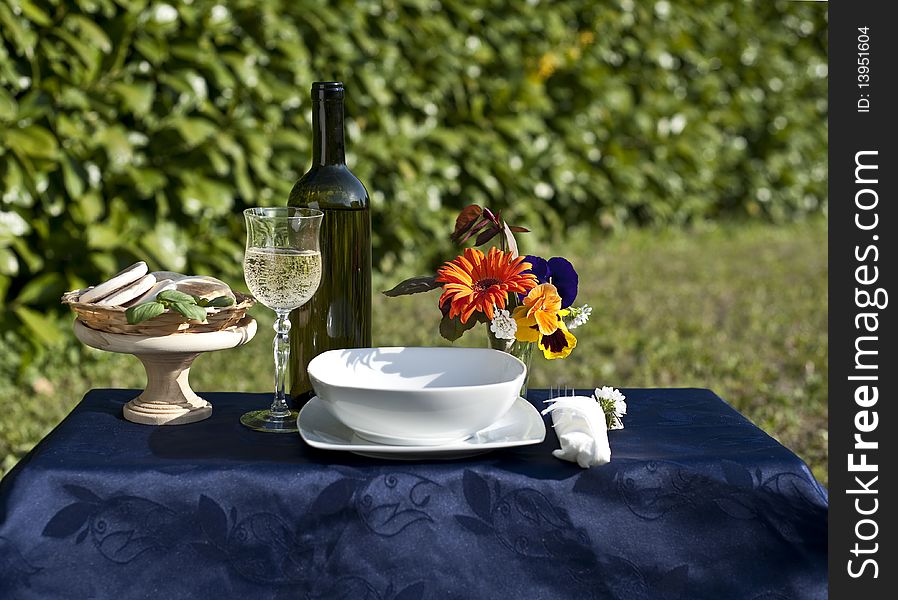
134, 130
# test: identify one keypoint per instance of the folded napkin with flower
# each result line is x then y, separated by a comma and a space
582, 423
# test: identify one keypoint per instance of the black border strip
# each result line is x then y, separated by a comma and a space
862, 260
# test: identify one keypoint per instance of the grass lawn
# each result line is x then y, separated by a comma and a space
738, 309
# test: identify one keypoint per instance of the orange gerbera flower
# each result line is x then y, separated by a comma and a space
474, 282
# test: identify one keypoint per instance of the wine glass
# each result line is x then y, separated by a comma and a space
282, 268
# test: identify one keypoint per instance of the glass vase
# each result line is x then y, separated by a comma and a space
523, 351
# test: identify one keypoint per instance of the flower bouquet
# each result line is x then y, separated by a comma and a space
522, 300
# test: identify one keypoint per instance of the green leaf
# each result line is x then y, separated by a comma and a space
89, 55
155, 50
72, 177
35, 14
103, 237
22, 39
103, 262
144, 312
201, 194
137, 97
220, 302
4, 283
32, 259
43, 328
90, 31
33, 140
119, 151
41, 290
167, 244
12, 226
195, 130
9, 264
91, 206
148, 181
34, 105
219, 162
190, 310
8, 106
415, 285
453, 328
175, 296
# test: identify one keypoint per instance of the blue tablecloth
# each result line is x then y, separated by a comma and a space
696, 503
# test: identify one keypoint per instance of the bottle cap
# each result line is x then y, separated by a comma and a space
327, 90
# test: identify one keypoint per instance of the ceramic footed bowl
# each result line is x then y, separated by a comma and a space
417, 396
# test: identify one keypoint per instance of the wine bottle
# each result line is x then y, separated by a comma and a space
339, 314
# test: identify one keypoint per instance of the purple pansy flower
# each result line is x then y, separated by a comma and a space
560, 273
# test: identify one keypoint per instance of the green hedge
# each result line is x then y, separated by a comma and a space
138, 130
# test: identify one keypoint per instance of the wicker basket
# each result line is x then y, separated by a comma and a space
112, 318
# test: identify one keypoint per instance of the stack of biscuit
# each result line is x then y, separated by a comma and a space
135, 285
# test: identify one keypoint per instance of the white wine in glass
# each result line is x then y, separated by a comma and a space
282, 268
282, 278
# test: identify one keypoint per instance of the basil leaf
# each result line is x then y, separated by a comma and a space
143, 312
175, 296
220, 301
191, 311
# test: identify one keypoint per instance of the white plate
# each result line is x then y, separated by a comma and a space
522, 425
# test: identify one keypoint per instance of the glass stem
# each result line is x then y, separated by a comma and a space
279, 407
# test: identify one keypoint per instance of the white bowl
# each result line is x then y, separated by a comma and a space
417, 396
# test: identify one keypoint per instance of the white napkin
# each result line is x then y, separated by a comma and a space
582, 430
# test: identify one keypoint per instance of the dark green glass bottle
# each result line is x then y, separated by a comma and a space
339, 314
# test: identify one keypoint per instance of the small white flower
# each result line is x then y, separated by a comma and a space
620, 407
606, 392
503, 326
614, 404
580, 316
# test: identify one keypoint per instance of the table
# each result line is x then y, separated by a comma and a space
696, 503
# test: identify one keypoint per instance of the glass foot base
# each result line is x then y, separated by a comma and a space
261, 420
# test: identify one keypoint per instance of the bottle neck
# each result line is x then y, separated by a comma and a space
328, 147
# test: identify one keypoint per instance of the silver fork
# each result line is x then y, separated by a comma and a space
561, 392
